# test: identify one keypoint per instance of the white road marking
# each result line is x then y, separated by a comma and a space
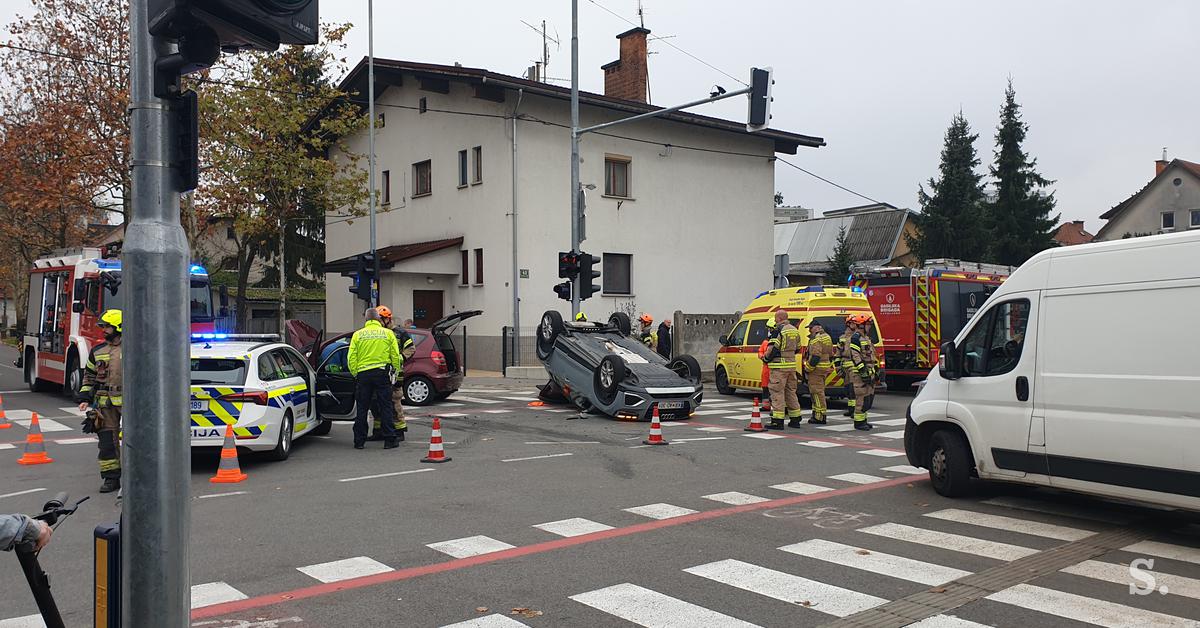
738, 417
451, 415
73, 410
764, 436
229, 494
495, 620
572, 527
891, 422
448, 404
482, 391
946, 621
556, 410
470, 546
820, 444
716, 429
857, 478
1119, 574
344, 569
876, 562
904, 468
32, 490
896, 435
825, 598
475, 399
720, 404
953, 542
689, 440
562, 442
837, 427
1163, 550
497, 411
882, 453
1012, 524
384, 475
28, 621
1062, 510
214, 593
537, 457
532, 398
660, 511
1084, 609
323, 437
14, 392
76, 441
713, 412
7, 446
47, 425
801, 488
735, 498
654, 610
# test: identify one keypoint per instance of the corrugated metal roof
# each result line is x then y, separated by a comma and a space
871, 235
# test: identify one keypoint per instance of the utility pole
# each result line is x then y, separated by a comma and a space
282, 280
156, 518
376, 288
575, 235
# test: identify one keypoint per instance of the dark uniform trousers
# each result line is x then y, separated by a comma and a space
374, 391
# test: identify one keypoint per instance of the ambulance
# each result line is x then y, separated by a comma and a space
738, 367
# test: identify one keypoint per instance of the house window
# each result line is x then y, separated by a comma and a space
477, 160
230, 233
478, 266
615, 275
1168, 221
422, 105
1195, 220
462, 168
616, 176
464, 278
423, 178
387, 187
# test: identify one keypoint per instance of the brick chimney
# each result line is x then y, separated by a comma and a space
627, 77
1159, 164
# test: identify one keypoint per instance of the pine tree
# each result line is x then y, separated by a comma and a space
1020, 217
840, 261
951, 223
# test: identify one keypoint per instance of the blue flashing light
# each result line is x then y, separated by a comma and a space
762, 294
197, 269
209, 336
108, 264
814, 289
857, 289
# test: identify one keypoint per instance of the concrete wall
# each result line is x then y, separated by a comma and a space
1145, 215
698, 335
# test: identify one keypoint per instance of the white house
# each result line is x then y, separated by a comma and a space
474, 178
1169, 202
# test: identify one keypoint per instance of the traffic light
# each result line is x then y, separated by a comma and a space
759, 114
563, 290
587, 274
364, 277
237, 24
568, 264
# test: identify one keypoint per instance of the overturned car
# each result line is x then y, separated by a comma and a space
600, 368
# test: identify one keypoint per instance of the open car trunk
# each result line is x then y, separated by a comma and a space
442, 331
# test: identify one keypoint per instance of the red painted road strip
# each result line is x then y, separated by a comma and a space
318, 590
844, 443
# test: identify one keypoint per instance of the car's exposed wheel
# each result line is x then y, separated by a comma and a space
419, 391
621, 321
949, 464
608, 377
323, 427
686, 367
723, 386
283, 448
548, 331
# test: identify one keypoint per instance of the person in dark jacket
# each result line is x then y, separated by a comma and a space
664, 338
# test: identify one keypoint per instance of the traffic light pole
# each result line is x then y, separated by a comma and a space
575, 235
376, 283
155, 517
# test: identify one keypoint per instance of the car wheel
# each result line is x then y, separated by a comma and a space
323, 427
608, 377
549, 329
949, 464
686, 367
284, 448
723, 386
419, 391
621, 321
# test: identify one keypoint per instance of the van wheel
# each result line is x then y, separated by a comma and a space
723, 386
949, 464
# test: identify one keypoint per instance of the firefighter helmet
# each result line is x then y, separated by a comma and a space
384, 312
581, 317
646, 319
112, 318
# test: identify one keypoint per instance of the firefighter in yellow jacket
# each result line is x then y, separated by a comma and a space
101, 389
818, 364
872, 359
858, 369
785, 344
407, 349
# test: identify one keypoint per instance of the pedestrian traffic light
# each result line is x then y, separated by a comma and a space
237, 24
587, 273
568, 264
364, 277
563, 290
759, 114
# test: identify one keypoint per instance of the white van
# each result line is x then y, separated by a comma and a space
1081, 372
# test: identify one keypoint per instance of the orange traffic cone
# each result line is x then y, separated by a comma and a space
436, 453
4, 424
35, 445
655, 430
228, 471
755, 419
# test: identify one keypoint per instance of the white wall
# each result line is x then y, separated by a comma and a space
1145, 215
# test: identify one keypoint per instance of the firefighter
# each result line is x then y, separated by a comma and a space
858, 369
765, 377
868, 348
373, 358
842, 361
581, 318
784, 380
407, 349
101, 389
820, 351
647, 334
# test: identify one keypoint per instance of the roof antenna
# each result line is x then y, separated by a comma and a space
543, 66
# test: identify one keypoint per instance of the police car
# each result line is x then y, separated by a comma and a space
262, 387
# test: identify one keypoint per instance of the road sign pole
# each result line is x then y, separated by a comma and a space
575, 149
155, 504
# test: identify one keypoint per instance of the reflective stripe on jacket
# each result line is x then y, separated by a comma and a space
787, 341
102, 376
821, 345
373, 347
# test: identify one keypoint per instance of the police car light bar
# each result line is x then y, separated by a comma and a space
260, 337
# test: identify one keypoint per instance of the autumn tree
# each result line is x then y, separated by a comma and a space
267, 121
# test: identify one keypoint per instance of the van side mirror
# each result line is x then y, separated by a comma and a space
950, 361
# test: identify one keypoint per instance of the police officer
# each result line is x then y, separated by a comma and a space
407, 349
646, 334
373, 349
784, 380
102, 384
858, 370
820, 352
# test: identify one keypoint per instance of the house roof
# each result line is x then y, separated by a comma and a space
1187, 166
871, 235
488, 83
98, 232
1070, 233
391, 255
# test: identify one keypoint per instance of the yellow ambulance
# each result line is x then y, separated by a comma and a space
738, 366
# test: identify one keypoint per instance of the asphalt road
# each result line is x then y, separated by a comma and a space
543, 518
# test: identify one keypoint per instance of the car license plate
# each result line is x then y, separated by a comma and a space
199, 406
672, 405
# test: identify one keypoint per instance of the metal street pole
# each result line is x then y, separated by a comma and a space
155, 517
282, 280
378, 283
575, 282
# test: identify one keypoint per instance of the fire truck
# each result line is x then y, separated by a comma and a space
67, 293
919, 309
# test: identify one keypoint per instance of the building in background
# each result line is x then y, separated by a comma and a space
1169, 202
792, 213
1072, 233
875, 234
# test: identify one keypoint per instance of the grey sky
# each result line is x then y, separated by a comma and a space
1104, 84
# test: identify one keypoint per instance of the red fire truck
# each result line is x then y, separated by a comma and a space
67, 294
919, 309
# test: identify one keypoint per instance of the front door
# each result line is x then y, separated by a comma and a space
427, 307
